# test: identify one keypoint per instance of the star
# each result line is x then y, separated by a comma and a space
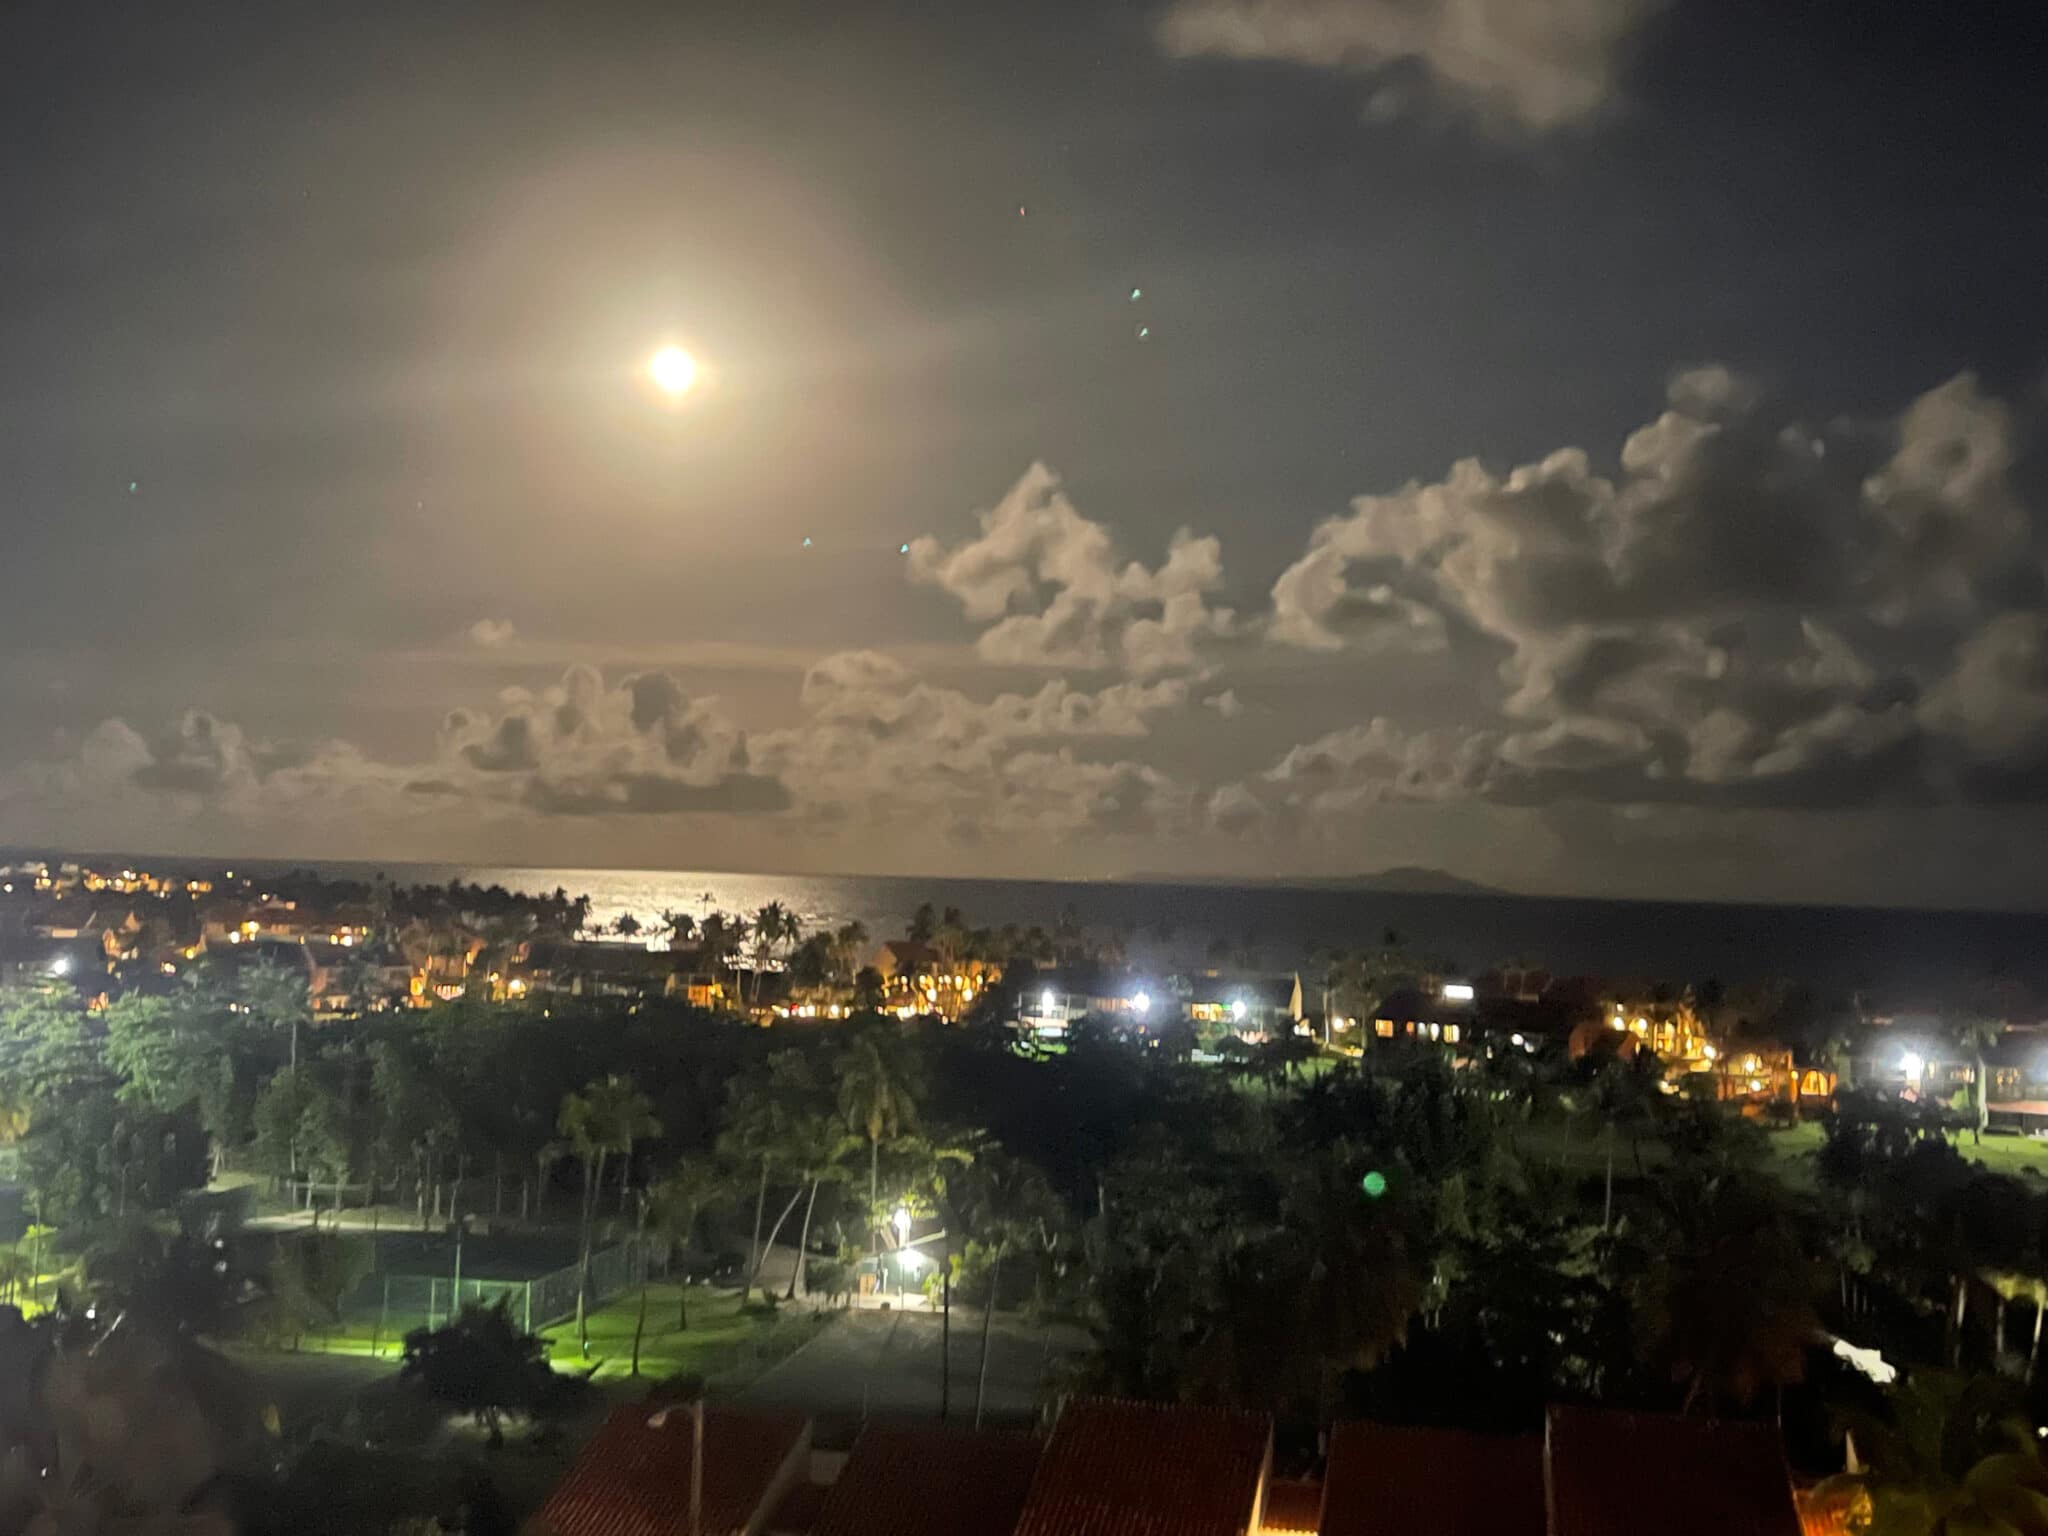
1144, 331
1137, 294
131, 487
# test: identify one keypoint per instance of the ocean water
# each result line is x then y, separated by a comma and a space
1904, 957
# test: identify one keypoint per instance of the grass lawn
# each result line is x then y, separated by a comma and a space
726, 1346
1576, 1148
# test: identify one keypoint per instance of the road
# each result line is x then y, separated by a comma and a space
886, 1365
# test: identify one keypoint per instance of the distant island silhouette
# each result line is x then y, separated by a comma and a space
1399, 880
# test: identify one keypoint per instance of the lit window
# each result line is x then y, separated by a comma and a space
1451, 1033
1384, 1028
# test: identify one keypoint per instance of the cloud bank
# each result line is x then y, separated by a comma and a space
1735, 618
1526, 66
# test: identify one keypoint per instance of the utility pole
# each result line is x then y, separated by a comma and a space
697, 1463
455, 1303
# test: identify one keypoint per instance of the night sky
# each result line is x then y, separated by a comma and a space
1587, 446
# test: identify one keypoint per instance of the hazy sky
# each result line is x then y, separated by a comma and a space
1584, 445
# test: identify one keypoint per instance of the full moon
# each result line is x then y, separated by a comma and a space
673, 371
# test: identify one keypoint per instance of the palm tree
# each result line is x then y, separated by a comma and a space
607, 1117
1974, 1036
674, 1205
816, 1143
849, 942
1001, 1202
680, 927
759, 1107
878, 1096
1957, 1455
720, 938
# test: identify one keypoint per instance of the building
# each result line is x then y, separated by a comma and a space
1444, 1015
583, 968
930, 1480
1240, 1003
1052, 1001
1386, 1481
28, 960
634, 1477
1615, 1474
1116, 1468
919, 978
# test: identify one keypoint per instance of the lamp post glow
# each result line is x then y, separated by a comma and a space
1912, 1064
901, 1222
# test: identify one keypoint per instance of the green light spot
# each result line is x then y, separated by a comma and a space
1374, 1184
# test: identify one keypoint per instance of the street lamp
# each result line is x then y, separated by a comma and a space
1912, 1064
901, 1222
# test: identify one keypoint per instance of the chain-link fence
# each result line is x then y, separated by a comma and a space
394, 1304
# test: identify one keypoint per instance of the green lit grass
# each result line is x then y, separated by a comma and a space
724, 1344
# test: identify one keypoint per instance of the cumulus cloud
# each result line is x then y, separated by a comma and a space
1525, 65
1050, 587
880, 744
876, 747
584, 746
1743, 609
492, 633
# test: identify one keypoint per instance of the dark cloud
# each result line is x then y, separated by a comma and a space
1750, 611
647, 794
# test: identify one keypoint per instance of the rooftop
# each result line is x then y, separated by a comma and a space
1116, 1468
1614, 1474
926, 1480
633, 1478
1388, 1481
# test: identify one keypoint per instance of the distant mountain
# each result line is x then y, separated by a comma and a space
1401, 880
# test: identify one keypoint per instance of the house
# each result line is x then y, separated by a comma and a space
1615, 1474
1240, 1003
1117, 1468
930, 1480
28, 960
1051, 1001
587, 969
1386, 1481
634, 1476
1446, 1015
920, 978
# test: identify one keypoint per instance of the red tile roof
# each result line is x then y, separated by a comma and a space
633, 1478
1388, 1481
1116, 1468
1618, 1474
797, 1514
925, 1480
1292, 1505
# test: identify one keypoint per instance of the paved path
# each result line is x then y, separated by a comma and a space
886, 1365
